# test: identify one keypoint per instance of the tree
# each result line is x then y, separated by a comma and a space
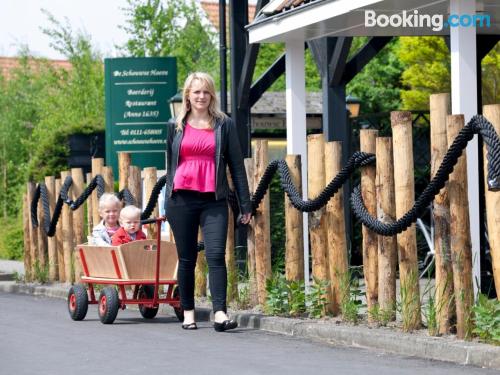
378, 84
70, 101
171, 28
426, 62
427, 71
490, 68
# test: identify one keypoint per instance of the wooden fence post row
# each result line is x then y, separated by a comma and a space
388, 192
492, 113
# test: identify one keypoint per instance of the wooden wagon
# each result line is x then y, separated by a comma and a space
145, 265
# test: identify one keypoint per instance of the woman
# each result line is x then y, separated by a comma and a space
199, 145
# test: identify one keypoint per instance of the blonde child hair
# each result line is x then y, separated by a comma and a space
130, 211
108, 198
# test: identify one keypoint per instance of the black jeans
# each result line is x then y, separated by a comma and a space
186, 212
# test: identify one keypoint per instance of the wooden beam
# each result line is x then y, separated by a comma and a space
338, 59
266, 80
364, 56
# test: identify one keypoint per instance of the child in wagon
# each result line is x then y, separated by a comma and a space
109, 210
130, 230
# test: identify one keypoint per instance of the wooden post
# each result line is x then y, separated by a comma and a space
135, 184
67, 229
317, 219
78, 221
59, 239
439, 109
109, 182
262, 228
386, 212
97, 164
150, 179
90, 205
123, 170
33, 231
370, 242
200, 274
26, 238
492, 113
460, 242
407, 241
294, 245
335, 227
42, 238
252, 278
50, 183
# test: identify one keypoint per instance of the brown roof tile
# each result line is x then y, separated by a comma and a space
212, 10
7, 64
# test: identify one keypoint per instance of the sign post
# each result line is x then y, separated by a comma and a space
137, 110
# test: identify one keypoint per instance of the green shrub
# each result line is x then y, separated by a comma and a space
12, 240
487, 319
350, 303
277, 295
316, 300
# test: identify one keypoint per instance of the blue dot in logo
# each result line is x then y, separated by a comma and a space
446, 24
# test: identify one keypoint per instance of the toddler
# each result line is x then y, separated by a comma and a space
109, 209
130, 230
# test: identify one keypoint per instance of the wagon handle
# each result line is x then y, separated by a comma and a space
158, 222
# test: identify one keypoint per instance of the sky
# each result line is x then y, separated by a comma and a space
21, 20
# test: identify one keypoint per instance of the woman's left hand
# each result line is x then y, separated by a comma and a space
245, 218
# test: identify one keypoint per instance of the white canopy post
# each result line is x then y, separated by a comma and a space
296, 134
464, 101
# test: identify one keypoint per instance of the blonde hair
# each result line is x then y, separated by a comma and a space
108, 198
213, 109
130, 211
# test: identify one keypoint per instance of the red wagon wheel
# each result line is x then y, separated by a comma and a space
179, 311
147, 291
77, 302
108, 305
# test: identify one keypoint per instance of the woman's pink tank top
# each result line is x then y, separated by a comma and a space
196, 169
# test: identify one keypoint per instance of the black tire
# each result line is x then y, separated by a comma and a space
147, 291
78, 302
179, 311
108, 305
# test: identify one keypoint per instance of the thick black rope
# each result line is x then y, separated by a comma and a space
126, 196
153, 198
40, 192
358, 159
478, 124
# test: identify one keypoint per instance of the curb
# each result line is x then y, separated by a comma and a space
434, 348
6, 276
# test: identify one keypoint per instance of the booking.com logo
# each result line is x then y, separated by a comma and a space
416, 20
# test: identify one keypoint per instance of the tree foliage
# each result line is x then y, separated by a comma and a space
427, 71
378, 84
71, 101
171, 28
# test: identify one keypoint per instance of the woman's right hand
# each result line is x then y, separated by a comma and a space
245, 218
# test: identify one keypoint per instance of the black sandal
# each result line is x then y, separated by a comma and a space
190, 326
225, 325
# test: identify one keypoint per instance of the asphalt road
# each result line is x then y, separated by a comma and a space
38, 337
